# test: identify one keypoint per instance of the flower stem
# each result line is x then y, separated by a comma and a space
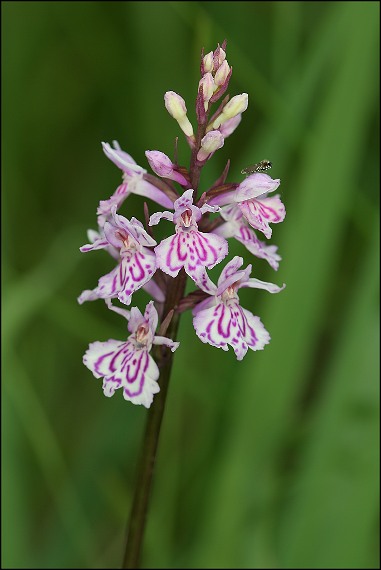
164, 360
175, 293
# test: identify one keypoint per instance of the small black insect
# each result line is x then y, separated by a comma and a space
259, 167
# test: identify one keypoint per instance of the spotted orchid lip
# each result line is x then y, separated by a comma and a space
188, 248
137, 264
221, 321
127, 364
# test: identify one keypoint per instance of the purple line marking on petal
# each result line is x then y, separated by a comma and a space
139, 268
142, 379
200, 248
220, 322
100, 359
117, 353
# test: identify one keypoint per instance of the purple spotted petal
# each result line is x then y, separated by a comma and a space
258, 248
230, 269
259, 213
185, 201
169, 257
132, 273
224, 325
190, 250
132, 227
212, 325
236, 226
124, 366
141, 235
104, 358
99, 243
155, 218
141, 374
203, 281
151, 316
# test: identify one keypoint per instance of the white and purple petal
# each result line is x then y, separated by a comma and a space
255, 185
139, 268
260, 212
155, 218
248, 238
140, 374
121, 159
252, 332
124, 366
133, 272
185, 201
190, 250
151, 316
169, 257
258, 284
136, 319
212, 325
100, 243
163, 340
230, 324
133, 228
203, 281
230, 269
208, 208
88, 295
115, 201
104, 358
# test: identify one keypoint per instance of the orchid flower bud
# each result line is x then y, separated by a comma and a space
211, 142
230, 125
175, 106
234, 107
208, 88
221, 74
208, 62
219, 56
162, 165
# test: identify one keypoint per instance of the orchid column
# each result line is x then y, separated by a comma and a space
199, 225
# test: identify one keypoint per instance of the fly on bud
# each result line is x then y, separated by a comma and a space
258, 167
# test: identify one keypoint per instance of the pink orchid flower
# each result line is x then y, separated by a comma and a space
252, 198
128, 364
221, 321
137, 263
188, 248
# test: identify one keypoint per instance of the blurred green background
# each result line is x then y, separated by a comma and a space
267, 463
